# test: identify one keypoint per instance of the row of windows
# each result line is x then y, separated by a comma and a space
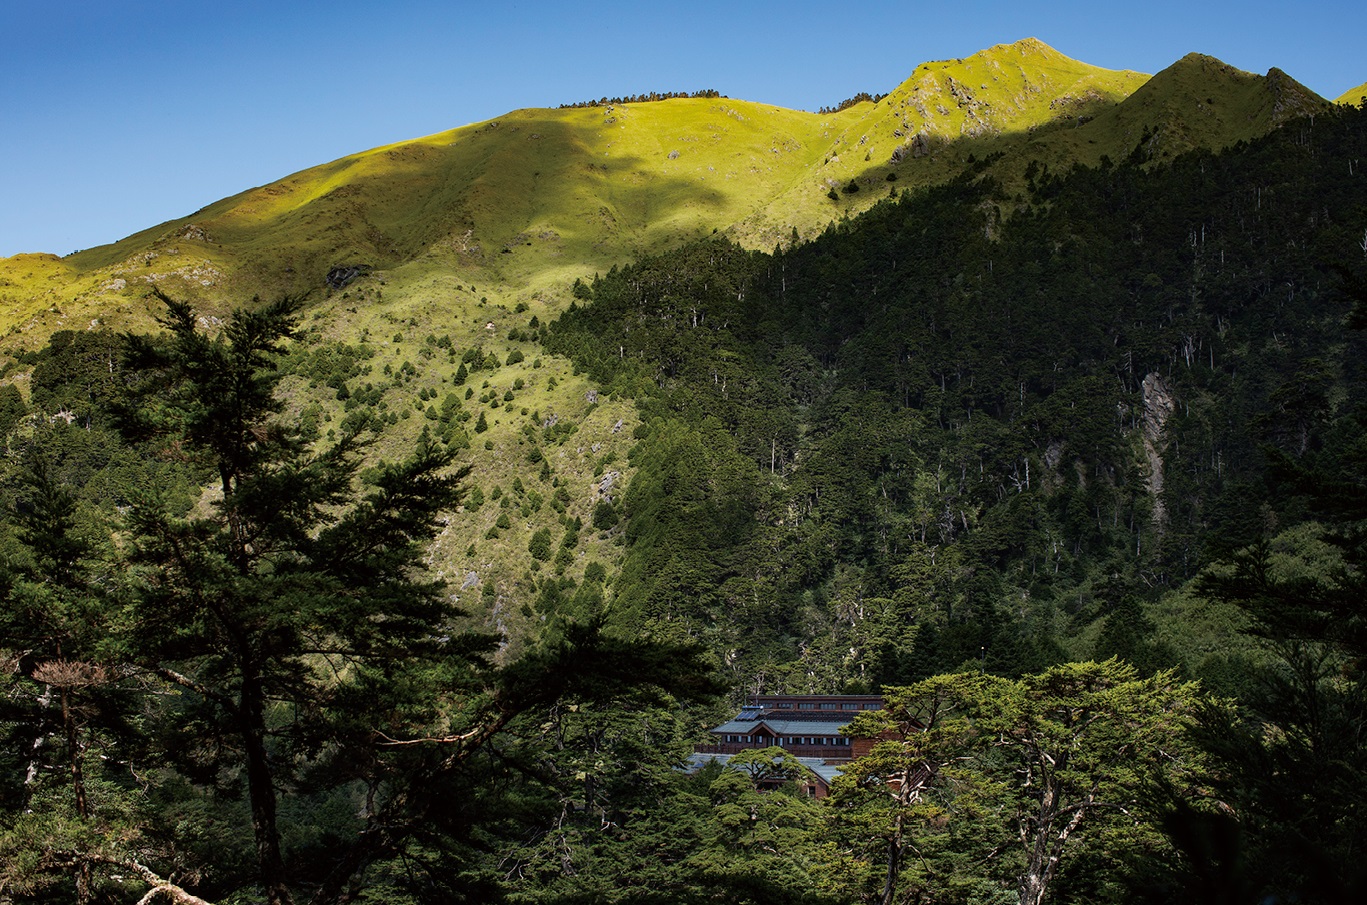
818, 705
829, 741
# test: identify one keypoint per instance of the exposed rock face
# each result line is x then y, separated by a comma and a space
192, 231
604, 489
341, 277
1158, 406
1290, 98
1053, 454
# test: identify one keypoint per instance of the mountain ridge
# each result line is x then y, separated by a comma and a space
526, 203
1353, 96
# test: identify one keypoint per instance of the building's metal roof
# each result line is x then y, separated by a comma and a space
800, 708
828, 772
782, 727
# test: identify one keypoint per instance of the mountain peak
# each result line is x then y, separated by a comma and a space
1005, 88
1024, 51
1024, 47
1203, 60
1202, 101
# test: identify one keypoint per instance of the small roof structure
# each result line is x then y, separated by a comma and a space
822, 771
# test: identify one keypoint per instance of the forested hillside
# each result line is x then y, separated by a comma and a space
1118, 415
1071, 471
985, 420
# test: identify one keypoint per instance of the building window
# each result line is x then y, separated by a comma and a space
806, 705
849, 705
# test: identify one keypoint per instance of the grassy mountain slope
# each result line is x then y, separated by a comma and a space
30, 283
523, 205
1198, 102
1202, 102
925, 130
1353, 96
597, 176
1017, 104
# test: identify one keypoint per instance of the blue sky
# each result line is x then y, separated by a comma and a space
118, 116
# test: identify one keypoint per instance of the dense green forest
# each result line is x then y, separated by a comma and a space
992, 418
1075, 476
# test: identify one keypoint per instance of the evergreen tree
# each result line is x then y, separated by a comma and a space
279, 642
62, 731
287, 593
971, 761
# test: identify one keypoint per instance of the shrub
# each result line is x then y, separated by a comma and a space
540, 545
605, 516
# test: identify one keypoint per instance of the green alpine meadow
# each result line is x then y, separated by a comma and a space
956, 495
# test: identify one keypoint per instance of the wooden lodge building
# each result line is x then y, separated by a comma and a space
809, 727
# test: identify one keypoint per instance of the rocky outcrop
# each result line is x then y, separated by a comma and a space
1158, 407
342, 276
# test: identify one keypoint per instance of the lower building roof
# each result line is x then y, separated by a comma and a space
826, 772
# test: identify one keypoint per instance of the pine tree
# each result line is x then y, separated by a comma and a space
53, 619
289, 591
